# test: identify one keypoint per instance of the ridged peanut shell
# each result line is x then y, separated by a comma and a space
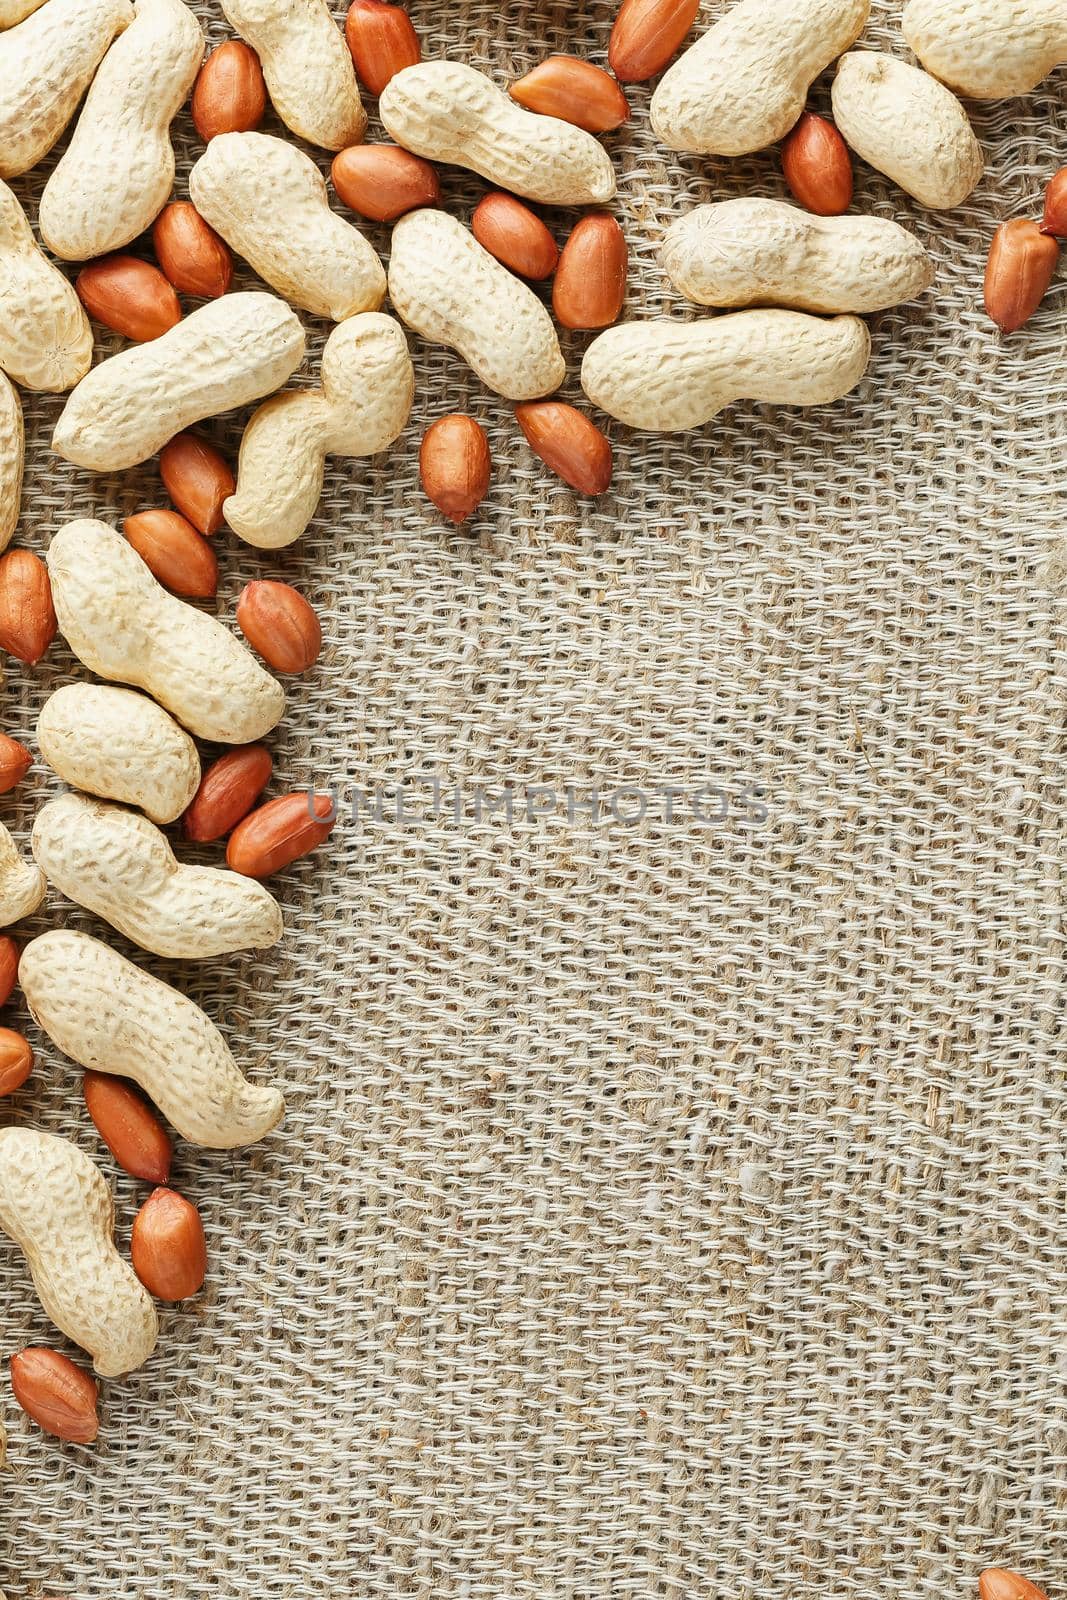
226, 354
22, 884
12, 455
125, 626
119, 745
745, 81
268, 200
115, 175
754, 252
307, 67
13, 11
120, 866
108, 1015
988, 49
56, 1206
46, 64
670, 376
446, 111
907, 125
368, 384
447, 287
45, 338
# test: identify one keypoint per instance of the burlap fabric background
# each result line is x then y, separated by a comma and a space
663, 1208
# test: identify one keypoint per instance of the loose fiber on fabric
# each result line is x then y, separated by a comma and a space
668, 1205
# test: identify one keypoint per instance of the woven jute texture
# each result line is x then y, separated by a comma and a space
670, 1200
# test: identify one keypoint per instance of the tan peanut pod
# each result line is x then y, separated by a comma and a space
670, 376
116, 174
307, 67
745, 82
446, 111
46, 65
909, 126
119, 745
22, 883
125, 626
12, 453
109, 1016
55, 1204
118, 865
45, 338
268, 201
368, 384
764, 252
234, 350
447, 287
988, 49
14, 11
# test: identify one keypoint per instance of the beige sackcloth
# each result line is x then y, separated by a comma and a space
663, 1208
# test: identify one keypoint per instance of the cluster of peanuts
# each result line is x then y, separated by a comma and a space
792, 334
382, 183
